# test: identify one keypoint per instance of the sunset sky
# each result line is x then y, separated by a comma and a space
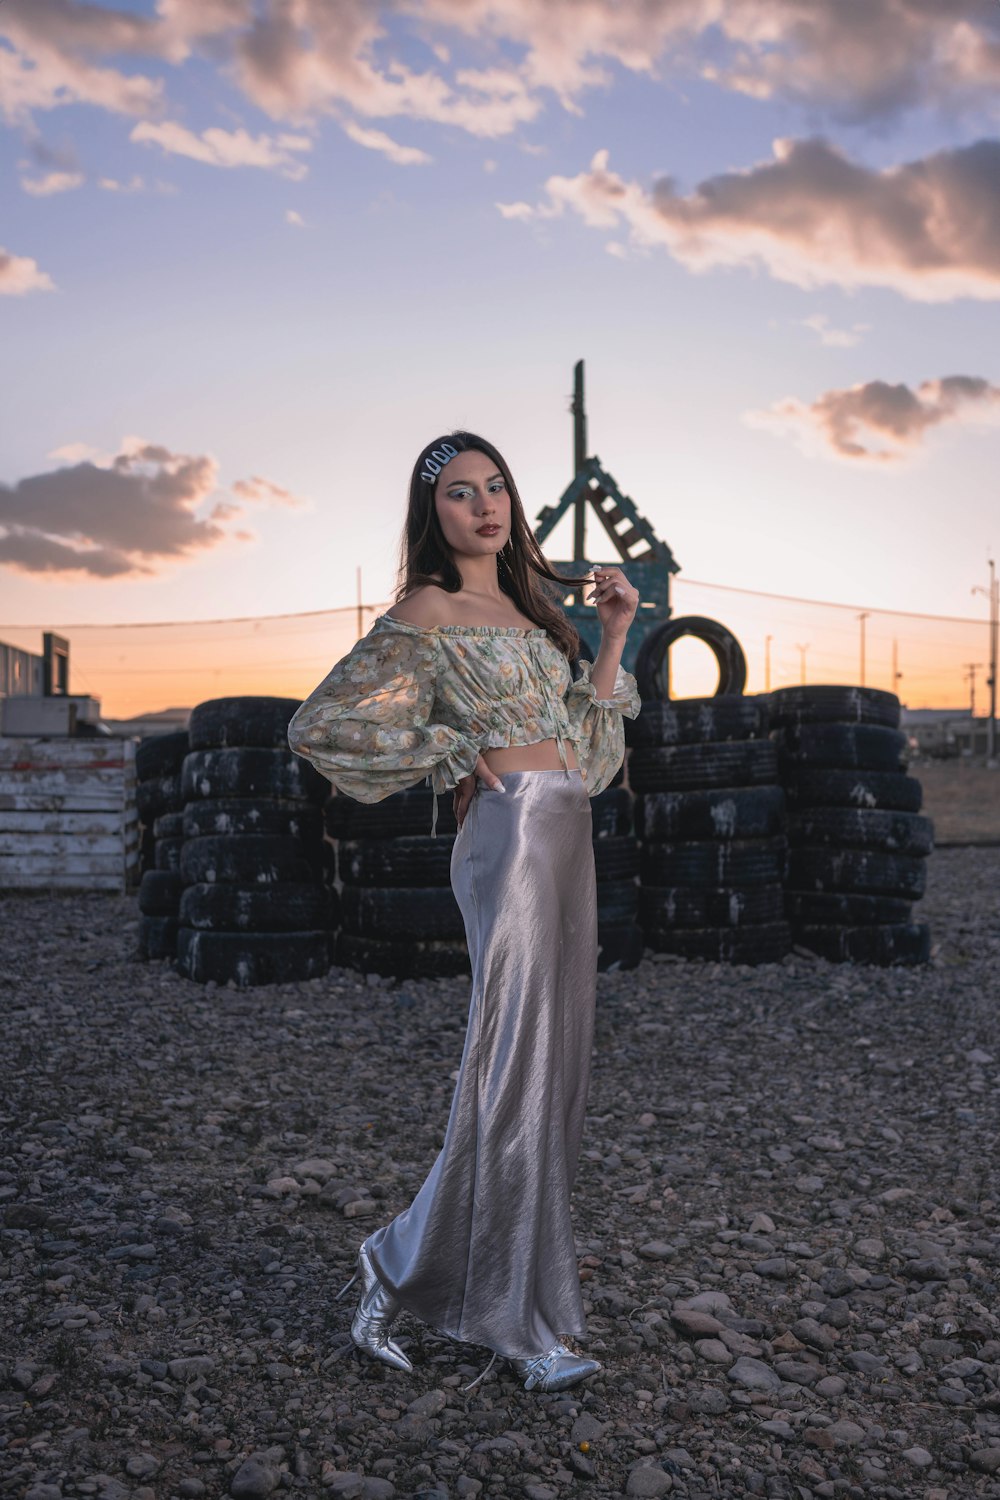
255, 253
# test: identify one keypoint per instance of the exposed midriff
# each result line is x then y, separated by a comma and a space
543, 755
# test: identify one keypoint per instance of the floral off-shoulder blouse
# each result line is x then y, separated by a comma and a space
411, 701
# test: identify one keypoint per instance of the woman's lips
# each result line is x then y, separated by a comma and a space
487, 530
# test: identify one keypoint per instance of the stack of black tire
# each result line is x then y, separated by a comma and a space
159, 803
255, 907
858, 845
398, 913
710, 819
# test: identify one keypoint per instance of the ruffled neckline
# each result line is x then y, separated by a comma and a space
392, 623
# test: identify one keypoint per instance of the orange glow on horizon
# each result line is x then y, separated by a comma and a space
137, 670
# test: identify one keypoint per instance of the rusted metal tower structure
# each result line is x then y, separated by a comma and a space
646, 561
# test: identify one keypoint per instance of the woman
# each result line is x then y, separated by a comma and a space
467, 679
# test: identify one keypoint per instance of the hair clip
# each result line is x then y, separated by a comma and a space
436, 460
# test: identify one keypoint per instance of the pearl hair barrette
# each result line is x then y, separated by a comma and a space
436, 460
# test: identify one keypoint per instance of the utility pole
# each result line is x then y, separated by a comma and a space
971, 668
896, 673
360, 622
863, 617
993, 594
579, 457
767, 662
802, 657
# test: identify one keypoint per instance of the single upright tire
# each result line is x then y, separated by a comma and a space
650, 675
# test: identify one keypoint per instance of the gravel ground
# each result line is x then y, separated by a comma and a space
788, 1217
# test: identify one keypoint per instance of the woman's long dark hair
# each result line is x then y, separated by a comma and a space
521, 564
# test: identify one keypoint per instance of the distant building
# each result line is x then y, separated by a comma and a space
35, 697
945, 733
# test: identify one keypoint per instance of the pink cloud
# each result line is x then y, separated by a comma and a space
300, 59
847, 424
226, 148
377, 140
50, 61
20, 274
929, 229
122, 514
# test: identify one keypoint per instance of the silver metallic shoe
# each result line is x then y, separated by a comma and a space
375, 1311
554, 1371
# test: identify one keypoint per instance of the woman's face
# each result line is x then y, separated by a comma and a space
473, 505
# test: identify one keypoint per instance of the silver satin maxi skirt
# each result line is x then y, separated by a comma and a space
485, 1252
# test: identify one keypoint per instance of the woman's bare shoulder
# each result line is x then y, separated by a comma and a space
427, 605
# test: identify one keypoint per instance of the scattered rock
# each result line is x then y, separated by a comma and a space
823, 1322
753, 1374
252, 1481
648, 1482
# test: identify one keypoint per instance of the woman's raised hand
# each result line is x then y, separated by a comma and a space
465, 790
616, 600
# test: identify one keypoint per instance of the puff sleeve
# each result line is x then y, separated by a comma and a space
596, 723
367, 726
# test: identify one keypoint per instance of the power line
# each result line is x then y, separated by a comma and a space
680, 581
307, 614
733, 588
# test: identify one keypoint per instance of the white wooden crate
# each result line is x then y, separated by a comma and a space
68, 818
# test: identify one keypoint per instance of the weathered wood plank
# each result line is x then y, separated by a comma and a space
79, 822
64, 752
62, 780
32, 845
110, 798
29, 880
68, 819
56, 866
